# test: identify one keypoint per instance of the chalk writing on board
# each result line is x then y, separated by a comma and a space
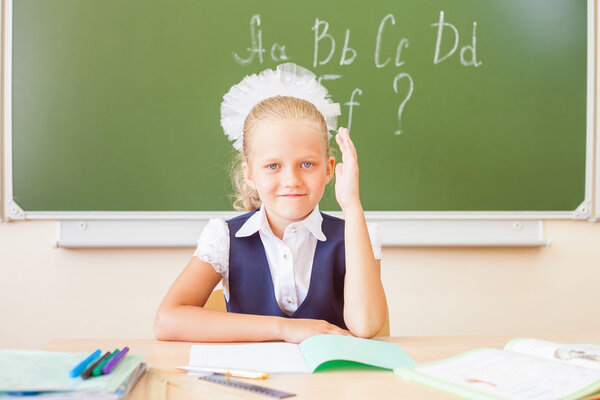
406, 98
321, 29
445, 32
328, 77
351, 105
282, 56
473, 48
256, 46
402, 43
347, 49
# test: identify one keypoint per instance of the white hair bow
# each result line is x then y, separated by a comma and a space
288, 79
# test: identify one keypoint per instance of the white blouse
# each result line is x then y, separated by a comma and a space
290, 260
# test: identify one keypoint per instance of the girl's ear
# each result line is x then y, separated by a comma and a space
248, 175
330, 168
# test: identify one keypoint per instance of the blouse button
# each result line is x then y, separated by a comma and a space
289, 300
285, 256
294, 229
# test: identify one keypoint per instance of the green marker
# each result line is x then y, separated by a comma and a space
98, 370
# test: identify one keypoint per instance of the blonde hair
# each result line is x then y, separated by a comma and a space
273, 109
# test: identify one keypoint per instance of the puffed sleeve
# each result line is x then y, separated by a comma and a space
213, 245
375, 236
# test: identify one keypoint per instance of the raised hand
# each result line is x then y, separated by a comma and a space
346, 173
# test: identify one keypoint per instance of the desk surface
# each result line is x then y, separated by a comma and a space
163, 381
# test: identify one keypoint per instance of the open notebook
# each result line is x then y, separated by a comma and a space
527, 369
303, 358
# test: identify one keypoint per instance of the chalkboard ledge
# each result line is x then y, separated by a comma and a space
100, 233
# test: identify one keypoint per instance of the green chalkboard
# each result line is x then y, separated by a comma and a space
115, 104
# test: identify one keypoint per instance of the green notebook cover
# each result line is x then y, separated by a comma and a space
321, 351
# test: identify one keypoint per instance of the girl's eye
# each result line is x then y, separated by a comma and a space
272, 166
306, 164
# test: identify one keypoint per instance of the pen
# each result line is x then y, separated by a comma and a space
237, 373
98, 370
75, 372
88, 372
112, 363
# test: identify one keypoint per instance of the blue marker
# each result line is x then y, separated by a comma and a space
75, 372
23, 394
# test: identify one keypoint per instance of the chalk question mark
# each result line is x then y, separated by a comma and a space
410, 91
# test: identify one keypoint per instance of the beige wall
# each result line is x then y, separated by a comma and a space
47, 293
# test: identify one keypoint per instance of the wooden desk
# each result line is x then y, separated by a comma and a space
163, 381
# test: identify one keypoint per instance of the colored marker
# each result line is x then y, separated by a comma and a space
112, 363
75, 372
98, 370
88, 372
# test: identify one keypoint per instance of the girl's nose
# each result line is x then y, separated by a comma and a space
290, 177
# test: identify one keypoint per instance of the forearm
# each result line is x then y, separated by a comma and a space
365, 306
196, 324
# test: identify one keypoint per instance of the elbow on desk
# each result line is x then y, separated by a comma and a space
368, 326
365, 329
161, 327
364, 333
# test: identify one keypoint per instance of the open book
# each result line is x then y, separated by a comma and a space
525, 369
303, 358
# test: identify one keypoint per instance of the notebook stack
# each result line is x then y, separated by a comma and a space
47, 375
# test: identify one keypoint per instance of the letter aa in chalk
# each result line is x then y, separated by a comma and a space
282, 56
256, 46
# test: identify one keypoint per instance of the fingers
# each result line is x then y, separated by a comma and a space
310, 327
340, 142
345, 143
339, 169
341, 139
340, 331
344, 134
337, 330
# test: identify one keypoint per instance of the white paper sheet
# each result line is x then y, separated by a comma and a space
272, 358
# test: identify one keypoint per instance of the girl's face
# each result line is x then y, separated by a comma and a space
289, 167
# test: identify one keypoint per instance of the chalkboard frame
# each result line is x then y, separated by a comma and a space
596, 215
12, 211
